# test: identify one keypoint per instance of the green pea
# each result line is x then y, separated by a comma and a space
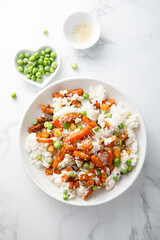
65, 196
49, 62
65, 191
108, 115
39, 79
71, 174
38, 74
46, 68
35, 122
117, 161
121, 126
41, 70
48, 50
45, 62
20, 68
85, 95
37, 56
27, 55
35, 70
47, 55
40, 66
94, 188
21, 55
46, 124
124, 170
33, 78
74, 66
57, 145
20, 62
129, 168
128, 162
86, 165
54, 65
98, 172
53, 54
25, 60
84, 113
50, 126
100, 112
42, 57
96, 129
13, 95
39, 157
115, 178
32, 58
80, 127
46, 58
116, 134
43, 53
119, 143
45, 32
28, 76
47, 74
40, 61
51, 59
30, 69
51, 69
66, 125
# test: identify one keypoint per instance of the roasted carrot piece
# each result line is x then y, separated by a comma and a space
87, 146
68, 169
97, 104
76, 184
56, 123
78, 135
49, 171
44, 140
70, 147
59, 157
103, 175
79, 91
48, 110
110, 159
41, 120
123, 136
86, 195
116, 152
89, 122
65, 178
70, 185
76, 103
81, 155
35, 128
90, 183
45, 134
106, 124
70, 117
83, 177
57, 171
104, 106
110, 102
50, 148
56, 95
128, 151
90, 175
96, 161
114, 138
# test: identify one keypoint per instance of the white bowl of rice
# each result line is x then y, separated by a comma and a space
124, 110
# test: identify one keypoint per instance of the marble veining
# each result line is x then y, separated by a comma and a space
127, 56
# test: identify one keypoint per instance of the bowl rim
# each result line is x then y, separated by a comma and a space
49, 78
87, 14
142, 157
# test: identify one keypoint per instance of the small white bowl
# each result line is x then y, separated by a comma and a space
38, 175
46, 79
77, 18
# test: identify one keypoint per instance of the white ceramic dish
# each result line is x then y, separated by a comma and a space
39, 177
72, 21
46, 79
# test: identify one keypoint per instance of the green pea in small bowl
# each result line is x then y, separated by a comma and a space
37, 67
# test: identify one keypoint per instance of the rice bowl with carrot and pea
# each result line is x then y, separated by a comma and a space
84, 141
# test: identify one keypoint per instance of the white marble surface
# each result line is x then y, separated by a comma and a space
126, 56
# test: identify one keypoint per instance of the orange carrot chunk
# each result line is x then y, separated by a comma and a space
48, 110
87, 146
44, 140
83, 177
56, 95
106, 124
70, 117
50, 148
79, 91
117, 153
123, 136
35, 128
57, 171
78, 135
68, 169
56, 123
89, 122
90, 183
70, 185
96, 161
81, 155
110, 159
49, 171
59, 157
70, 147
86, 195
